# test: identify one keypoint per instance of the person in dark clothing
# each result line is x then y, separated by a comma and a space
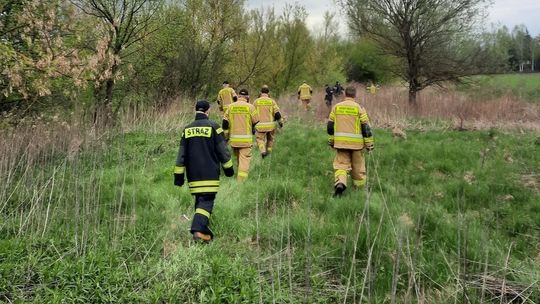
329, 95
202, 152
338, 89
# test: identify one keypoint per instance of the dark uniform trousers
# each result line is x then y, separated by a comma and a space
204, 203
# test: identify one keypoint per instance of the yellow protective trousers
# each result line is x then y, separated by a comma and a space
306, 104
350, 161
243, 156
265, 141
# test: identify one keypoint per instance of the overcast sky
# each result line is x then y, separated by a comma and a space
508, 12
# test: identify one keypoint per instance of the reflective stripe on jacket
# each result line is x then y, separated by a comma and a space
305, 91
225, 97
241, 117
349, 119
201, 154
266, 108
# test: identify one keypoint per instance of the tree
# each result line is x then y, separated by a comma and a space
425, 34
37, 54
125, 22
255, 49
296, 43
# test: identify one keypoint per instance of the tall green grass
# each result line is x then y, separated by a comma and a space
522, 86
448, 216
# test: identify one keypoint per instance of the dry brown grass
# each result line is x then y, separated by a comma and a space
389, 108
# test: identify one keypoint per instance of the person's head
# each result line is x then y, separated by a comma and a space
326, 85
225, 84
350, 92
244, 94
265, 90
202, 106
304, 81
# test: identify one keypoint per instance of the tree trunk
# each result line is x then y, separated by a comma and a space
412, 94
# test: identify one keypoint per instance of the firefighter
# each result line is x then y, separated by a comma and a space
338, 89
202, 150
350, 135
225, 96
329, 95
239, 124
269, 116
372, 88
304, 94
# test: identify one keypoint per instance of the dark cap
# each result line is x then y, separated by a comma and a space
225, 82
243, 92
202, 106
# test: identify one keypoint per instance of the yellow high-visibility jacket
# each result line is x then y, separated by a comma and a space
239, 121
348, 126
225, 97
372, 89
304, 91
268, 111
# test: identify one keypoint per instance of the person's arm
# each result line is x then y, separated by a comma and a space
366, 130
310, 90
225, 125
222, 153
180, 168
254, 118
277, 115
330, 127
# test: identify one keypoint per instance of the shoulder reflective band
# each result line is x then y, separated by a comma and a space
179, 170
346, 110
204, 183
238, 109
202, 212
228, 164
198, 132
219, 130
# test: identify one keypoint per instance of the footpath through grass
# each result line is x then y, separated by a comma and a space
446, 213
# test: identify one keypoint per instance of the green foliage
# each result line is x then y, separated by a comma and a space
367, 63
116, 232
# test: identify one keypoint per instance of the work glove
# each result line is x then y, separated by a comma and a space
331, 142
228, 171
179, 180
370, 147
280, 124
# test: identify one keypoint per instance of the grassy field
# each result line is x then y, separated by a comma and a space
449, 216
523, 86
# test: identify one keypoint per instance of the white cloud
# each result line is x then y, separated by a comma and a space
507, 12
515, 12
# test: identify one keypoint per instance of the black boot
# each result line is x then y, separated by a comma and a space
339, 189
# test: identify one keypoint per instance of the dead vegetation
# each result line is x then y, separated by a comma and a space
389, 108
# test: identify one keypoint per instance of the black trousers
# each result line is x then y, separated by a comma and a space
204, 203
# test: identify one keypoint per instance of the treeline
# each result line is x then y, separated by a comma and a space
101, 56
98, 57
513, 50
